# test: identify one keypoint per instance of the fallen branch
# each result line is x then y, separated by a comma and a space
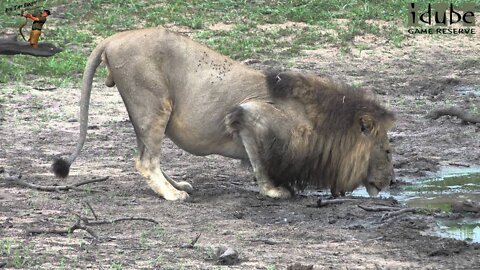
83, 223
103, 222
17, 180
265, 241
379, 208
45, 89
397, 213
459, 164
192, 244
77, 226
323, 203
91, 210
392, 211
454, 111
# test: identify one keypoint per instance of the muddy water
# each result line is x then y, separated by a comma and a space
449, 186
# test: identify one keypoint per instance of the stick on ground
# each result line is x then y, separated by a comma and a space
17, 180
392, 211
192, 243
84, 223
392, 214
103, 222
322, 203
379, 208
91, 210
77, 226
454, 111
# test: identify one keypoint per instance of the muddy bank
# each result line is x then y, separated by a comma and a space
226, 209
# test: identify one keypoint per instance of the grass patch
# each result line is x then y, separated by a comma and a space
79, 24
18, 255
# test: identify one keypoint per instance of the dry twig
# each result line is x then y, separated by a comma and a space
392, 214
192, 244
103, 222
322, 203
265, 241
17, 180
454, 111
77, 226
392, 211
379, 208
83, 223
91, 210
45, 89
459, 164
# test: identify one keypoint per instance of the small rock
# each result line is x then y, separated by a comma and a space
238, 215
227, 256
466, 206
298, 266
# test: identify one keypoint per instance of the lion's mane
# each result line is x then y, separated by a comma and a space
335, 150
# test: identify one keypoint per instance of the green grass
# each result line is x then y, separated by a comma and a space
83, 22
17, 254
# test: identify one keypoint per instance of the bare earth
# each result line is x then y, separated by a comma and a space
225, 209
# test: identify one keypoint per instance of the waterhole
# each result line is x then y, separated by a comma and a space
441, 191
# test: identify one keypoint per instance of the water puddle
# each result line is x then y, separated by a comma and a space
469, 90
449, 186
468, 230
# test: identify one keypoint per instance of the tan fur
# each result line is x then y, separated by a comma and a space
207, 103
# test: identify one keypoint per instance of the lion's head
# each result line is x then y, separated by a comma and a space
344, 145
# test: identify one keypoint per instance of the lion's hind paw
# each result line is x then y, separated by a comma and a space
277, 193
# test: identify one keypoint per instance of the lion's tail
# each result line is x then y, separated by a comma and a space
61, 166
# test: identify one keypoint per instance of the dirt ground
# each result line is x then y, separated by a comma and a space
226, 210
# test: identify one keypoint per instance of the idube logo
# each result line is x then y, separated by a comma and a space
441, 18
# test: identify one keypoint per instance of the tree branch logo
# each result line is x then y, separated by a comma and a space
36, 13
441, 18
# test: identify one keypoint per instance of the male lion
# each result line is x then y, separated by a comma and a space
295, 129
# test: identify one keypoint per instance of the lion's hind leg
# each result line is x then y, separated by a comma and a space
150, 129
156, 179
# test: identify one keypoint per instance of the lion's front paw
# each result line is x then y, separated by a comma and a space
178, 195
276, 192
185, 186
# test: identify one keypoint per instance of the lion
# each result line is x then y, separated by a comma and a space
295, 129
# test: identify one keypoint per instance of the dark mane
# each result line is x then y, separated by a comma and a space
331, 152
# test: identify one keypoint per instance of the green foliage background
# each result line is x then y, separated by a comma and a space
76, 26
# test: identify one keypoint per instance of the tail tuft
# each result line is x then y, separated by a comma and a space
61, 167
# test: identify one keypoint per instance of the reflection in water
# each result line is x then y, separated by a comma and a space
449, 186
467, 230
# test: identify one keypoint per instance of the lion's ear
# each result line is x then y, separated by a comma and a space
366, 124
